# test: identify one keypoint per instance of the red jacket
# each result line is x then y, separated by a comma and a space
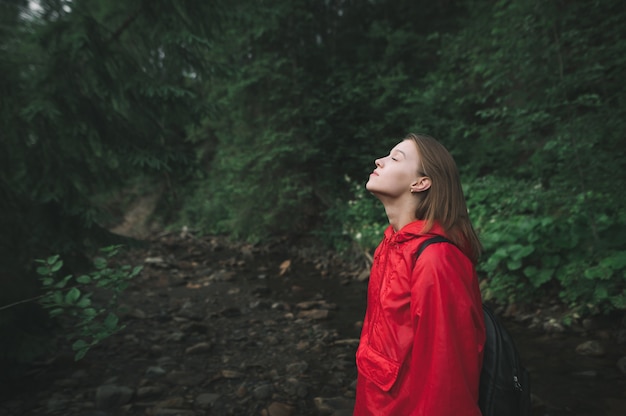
422, 340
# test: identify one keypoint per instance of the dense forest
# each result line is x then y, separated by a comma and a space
256, 119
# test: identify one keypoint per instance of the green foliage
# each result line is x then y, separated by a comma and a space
248, 116
71, 298
535, 245
361, 221
93, 94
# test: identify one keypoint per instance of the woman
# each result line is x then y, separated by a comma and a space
423, 334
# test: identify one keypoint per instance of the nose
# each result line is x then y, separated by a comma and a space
378, 162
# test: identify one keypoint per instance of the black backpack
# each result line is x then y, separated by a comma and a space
504, 381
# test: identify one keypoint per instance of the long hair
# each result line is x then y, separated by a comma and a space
444, 201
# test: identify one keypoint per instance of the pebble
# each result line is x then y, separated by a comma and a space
206, 400
199, 348
146, 391
314, 314
590, 348
278, 409
263, 391
333, 406
111, 396
155, 371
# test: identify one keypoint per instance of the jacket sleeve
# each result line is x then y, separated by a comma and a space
446, 355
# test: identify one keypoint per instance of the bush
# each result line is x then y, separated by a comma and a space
69, 298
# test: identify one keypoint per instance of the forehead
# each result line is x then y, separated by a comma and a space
407, 147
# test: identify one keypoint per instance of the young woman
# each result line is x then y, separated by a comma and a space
423, 334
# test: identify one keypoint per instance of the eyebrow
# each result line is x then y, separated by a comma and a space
400, 151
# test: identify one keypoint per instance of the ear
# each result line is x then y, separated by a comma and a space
421, 184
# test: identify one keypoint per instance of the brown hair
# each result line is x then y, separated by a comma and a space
444, 201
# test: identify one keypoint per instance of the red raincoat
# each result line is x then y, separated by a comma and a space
422, 340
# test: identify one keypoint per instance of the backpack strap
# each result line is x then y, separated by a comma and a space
432, 240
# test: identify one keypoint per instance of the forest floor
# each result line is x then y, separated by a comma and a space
217, 328
206, 334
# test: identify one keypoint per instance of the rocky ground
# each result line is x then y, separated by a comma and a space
214, 328
205, 335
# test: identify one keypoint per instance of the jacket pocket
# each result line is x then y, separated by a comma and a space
381, 370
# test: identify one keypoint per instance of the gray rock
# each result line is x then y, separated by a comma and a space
146, 391
314, 314
296, 388
333, 406
110, 396
185, 378
206, 400
56, 404
263, 391
198, 348
279, 409
155, 371
590, 348
297, 368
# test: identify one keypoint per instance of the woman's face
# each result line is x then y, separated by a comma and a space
396, 173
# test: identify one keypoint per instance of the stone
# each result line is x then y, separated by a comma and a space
314, 314
333, 406
279, 409
297, 368
147, 391
206, 400
296, 388
590, 348
552, 326
110, 396
198, 348
171, 402
186, 378
56, 404
155, 371
263, 391
231, 374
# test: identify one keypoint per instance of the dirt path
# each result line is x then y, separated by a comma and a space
204, 336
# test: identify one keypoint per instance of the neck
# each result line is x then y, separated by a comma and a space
400, 212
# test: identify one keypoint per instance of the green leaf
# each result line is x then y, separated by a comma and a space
616, 261
513, 264
56, 266
43, 270
136, 271
84, 302
111, 321
61, 283
52, 259
84, 279
79, 345
72, 296
100, 263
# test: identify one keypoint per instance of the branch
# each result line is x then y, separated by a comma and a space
10, 305
125, 25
